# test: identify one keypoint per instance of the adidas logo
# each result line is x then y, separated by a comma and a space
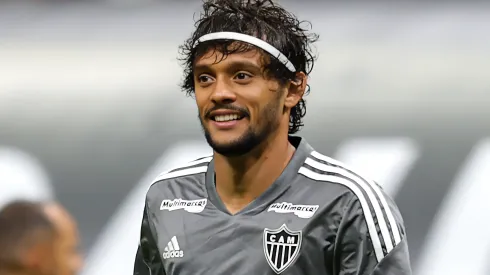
172, 250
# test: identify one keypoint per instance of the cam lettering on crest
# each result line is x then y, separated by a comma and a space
302, 211
281, 247
192, 206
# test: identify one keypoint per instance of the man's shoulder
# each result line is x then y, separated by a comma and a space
364, 197
330, 171
191, 169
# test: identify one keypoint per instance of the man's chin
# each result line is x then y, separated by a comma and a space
232, 147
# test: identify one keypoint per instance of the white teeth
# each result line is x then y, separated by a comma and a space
226, 117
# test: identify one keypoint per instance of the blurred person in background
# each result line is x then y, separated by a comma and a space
38, 239
266, 202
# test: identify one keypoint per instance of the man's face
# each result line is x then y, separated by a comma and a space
239, 106
64, 256
67, 256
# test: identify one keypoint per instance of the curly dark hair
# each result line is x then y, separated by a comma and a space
260, 18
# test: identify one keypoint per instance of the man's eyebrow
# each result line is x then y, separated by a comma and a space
202, 68
247, 65
232, 66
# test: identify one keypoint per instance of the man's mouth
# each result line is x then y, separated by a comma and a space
226, 117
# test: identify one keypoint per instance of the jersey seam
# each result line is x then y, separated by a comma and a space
337, 239
154, 235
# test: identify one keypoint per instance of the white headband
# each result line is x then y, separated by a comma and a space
250, 40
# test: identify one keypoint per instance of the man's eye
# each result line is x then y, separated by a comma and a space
204, 78
242, 76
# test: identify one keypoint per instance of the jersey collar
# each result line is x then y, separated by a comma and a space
303, 150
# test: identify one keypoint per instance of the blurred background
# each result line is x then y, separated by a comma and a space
91, 111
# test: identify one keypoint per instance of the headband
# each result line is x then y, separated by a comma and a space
250, 40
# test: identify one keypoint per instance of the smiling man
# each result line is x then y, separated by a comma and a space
265, 202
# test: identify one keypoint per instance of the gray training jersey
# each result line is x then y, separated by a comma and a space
318, 217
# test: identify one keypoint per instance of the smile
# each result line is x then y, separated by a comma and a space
224, 118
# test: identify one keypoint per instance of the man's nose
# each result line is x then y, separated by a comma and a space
223, 92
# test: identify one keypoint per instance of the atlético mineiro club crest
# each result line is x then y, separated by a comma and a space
281, 247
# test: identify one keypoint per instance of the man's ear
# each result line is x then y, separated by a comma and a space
39, 256
296, 90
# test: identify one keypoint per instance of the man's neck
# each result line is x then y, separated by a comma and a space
239, 180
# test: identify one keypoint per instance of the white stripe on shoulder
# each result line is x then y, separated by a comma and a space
391, 219
378, 250
192, 163
181, 173
372, 198
189, 164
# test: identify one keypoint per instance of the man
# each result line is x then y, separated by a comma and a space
37, 239
266, 202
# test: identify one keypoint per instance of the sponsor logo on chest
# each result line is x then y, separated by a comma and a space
302, 211
192, 206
